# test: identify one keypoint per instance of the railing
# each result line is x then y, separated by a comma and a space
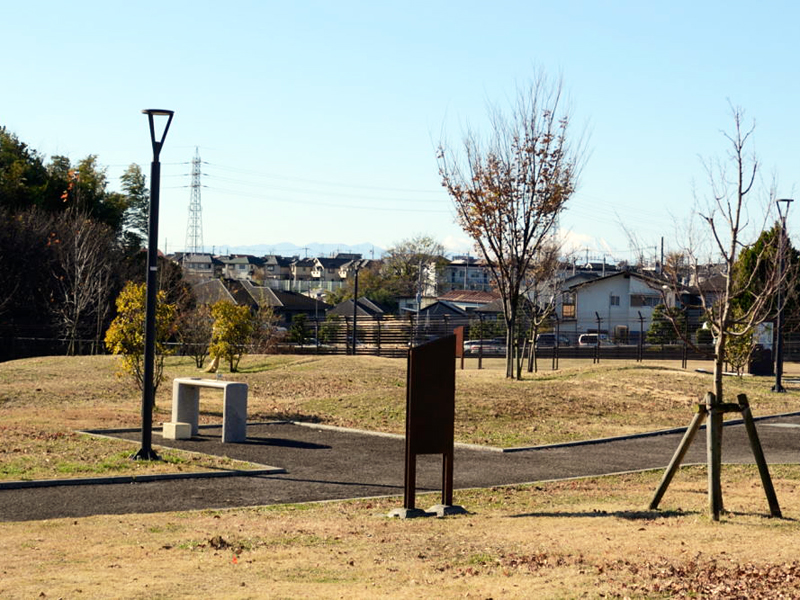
391, 336
303, 285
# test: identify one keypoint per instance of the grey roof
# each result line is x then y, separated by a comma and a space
211, 292
276, 260
650, 280
442, 307
243, 259
197, 258
303, 262
470, 296
494, 307
366, 308
332, 263
266, 296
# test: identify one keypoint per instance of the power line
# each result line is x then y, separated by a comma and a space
324, 204
309, 191
320, 182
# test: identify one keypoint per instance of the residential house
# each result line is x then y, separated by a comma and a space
329, 269
241, 267
275, 268
285, 305
197, 266
443, 308
619, 305
302, 268
469, 300
347, 269
465, 273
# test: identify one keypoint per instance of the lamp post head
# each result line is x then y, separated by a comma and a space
151, 114
788, 201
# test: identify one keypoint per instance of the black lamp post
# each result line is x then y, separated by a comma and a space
146, 452
778, 387
357, 265
317, 296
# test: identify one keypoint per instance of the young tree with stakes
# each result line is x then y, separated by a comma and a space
509, 189
726, 217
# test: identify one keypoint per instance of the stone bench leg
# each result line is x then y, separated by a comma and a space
186, 405
234, 413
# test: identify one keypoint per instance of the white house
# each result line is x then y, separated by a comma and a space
465, 273
619, 305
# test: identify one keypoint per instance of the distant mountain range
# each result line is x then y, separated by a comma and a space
312, 249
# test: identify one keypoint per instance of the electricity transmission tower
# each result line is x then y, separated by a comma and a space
194, 226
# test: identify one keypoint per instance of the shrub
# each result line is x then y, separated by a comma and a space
125, 336
230, 333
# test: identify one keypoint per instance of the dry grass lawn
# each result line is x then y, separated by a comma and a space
584, 538
43, 401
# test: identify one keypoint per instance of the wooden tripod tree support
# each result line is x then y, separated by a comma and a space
714, 412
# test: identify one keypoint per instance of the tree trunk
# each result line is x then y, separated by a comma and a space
719, 366
510, 335
533, 367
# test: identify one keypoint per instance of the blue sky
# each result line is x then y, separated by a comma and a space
318, 121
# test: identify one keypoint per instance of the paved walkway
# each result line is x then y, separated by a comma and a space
328, 464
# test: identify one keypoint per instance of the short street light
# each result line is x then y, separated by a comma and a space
778, 387
357, 266
146, 452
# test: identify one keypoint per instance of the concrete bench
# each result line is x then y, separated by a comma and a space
186, 405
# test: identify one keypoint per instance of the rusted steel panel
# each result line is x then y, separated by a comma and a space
430, 397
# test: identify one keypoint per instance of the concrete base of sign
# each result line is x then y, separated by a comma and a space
440, 510
447, 510
408, 513
176, 431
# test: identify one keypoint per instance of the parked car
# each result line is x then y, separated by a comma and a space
590, 339
548, 340
496, 347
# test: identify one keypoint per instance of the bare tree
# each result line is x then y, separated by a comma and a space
81, 272
732, 183
194, 332
407, 264
509, 190
542, 291
726, 215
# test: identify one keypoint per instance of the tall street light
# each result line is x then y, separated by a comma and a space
146, 452
778, 387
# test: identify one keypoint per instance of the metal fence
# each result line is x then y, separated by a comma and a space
392, 336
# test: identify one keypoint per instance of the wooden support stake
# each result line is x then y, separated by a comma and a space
410, 483
714, 456
679, 455
447, 479
758, 454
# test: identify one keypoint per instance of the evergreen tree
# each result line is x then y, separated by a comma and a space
661, 330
